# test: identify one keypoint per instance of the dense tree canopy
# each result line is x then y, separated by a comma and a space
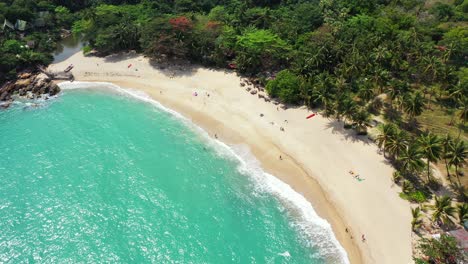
394, 59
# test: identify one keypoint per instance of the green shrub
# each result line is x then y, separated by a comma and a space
87, 49
414, 196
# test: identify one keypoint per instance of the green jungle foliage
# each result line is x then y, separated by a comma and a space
402, 62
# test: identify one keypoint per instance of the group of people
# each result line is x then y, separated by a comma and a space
363, 237
355, 176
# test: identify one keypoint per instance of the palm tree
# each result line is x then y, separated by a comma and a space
443, 209
398, 143
396, 177
345, 107
386, 134
417, 221
463, 109
407, 187
380, 53
361, 119
413, 105
462, 210
366, 91
457, 156
323, 92
411, 159
447, 144
379, 77
433, 65
431, 147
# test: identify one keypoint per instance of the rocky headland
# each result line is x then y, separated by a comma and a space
30, 85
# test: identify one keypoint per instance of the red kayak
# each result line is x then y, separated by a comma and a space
310, 116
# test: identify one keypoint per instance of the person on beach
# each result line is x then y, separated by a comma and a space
346, 230
216, 136
363, 238
281, 158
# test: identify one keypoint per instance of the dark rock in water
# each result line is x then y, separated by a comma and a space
54, 89
5, 105
4, 96
29, 85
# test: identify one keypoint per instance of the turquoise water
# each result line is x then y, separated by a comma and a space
96, 177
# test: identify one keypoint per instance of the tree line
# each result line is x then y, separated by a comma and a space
357, 60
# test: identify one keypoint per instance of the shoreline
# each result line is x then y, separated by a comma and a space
233, 114
318, 199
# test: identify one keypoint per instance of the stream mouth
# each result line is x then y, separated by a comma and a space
67, 47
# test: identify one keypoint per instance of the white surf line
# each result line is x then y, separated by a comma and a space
316, 230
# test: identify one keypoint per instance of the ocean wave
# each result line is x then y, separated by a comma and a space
314, 229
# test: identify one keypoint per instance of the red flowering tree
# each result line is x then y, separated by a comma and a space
213, 25
181, 23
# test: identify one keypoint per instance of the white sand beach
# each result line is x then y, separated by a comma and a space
317, 153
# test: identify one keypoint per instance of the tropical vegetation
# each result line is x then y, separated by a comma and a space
400, 63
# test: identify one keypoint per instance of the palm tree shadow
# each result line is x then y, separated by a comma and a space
118, 57
337, 127
175, 68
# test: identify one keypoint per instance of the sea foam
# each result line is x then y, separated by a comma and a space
316, 231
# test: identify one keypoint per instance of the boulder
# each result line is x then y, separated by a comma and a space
41, 79
4, 96
53, 89
24, 75
22, 83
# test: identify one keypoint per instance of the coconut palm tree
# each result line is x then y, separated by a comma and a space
396, 177
407, 187
361, 120
379, 77
323, 92
442, 209
387, 131
433, 65
413, 105
447, 144
417, 221
431, 147
457, 156
411, 159
345, 107
463, 109
462, 210
398, 143
366, 91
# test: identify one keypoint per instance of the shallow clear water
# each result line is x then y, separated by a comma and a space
94, 176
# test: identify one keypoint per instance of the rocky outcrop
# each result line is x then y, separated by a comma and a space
28, 84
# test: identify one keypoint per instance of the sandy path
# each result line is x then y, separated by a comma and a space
314, 151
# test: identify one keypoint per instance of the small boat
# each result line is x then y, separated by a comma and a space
69, 68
